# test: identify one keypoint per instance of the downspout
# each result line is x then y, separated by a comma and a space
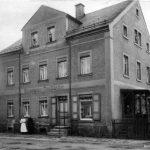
70, 84
19, 84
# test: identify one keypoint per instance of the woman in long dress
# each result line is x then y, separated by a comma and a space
23, 128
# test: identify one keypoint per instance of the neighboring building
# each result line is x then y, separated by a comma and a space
79, 71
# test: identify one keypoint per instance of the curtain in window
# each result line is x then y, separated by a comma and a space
10, 109
43, 72
26, 75
26, 109
10, 78
62, 69
43, 108
85, 65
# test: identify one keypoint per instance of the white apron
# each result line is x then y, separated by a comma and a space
23, 128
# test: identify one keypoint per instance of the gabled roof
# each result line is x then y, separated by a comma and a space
17, 46
43, 13
105, 14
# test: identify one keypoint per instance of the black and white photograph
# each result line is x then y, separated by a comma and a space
74, 74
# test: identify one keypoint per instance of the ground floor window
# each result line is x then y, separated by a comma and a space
10, 107
26, 109
86, 106
43, 108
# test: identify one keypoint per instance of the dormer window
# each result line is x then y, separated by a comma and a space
34, 39
51, 34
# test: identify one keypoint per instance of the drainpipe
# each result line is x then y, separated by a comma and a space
70, 82
19, 84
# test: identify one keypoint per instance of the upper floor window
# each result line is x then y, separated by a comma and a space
138, 70
51, 34
25, 74
10, 109
34, 39
43, 107
148, 74
137, 37
10, 76
85, 63
43, 70
137, 12
147, 47
125, 65
26, 109
125, 31
62, 67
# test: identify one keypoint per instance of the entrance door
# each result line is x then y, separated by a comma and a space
141, 116
62, 110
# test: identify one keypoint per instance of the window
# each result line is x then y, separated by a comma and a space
137, 37
10, 76
34, 39
51, 34
138, 71
85, 63
137, 12
25, 75
43, 70
125, 65
86, 106
125, 31
10, 109
62, 67
26, 109
148, 74
43, 108
147, 47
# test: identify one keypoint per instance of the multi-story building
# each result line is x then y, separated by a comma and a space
81, 72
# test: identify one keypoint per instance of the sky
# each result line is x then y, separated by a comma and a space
14, 14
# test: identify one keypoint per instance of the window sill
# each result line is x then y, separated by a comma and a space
10, 85
43, 116
25, 83
34, 46
62, 78
26, 116
138, 45
126, 76
46, 80
85, 75
138, 80
86, 120
10, 116
48, 43
125, 37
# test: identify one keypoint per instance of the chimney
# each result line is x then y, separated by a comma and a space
79, 11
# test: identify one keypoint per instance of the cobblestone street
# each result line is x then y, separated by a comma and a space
39, 142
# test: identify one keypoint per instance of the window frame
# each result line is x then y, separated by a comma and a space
23, 104
48, 39
43, 63
13, 81
32, 44
61, 59
12, 111
82, 54
126, 75
147, 48
23, 68
43, 99
92, 111
137, 13
140, 71
125, 36
148, 74
139, 38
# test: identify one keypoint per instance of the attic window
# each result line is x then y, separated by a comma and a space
34, 39
137, 12
51, 34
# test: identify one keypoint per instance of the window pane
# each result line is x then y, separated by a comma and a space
10, 77
34, 38
26, 75
26, 109
51, 34
43, 108
43, 72
62, 68
10, 109
85, 64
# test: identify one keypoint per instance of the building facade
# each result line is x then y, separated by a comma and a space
70, 71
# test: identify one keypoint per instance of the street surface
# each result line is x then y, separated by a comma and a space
39, 142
